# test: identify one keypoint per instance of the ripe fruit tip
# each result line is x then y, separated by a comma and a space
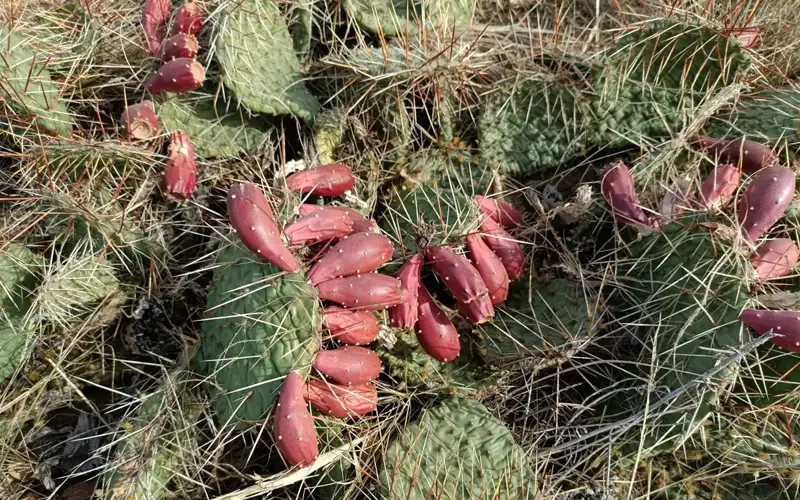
140, 121
180, 173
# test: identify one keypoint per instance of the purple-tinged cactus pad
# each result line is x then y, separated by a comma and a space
318, 227
351, 327
457, 273
785, 325
765, 200
435, 331
490, 268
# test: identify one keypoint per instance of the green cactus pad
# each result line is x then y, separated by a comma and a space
26, 87
541, 322
771, 117
396, 17
17, 283
530, 128
258, 61
656, 73
456, 450
214, 132
260, 325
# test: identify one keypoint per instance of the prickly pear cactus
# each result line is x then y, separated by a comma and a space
541, 321
530, 128
656, 73
456, 450
683, 289
17, 283
260, 325
26, 87
214, 132
395, 17
770, 117
258, 61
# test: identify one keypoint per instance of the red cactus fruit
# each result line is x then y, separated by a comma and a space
490, 267
371, 291
503, 245
188, 19
341, 401
620, 194
360, 223
500, 210
295, 435
765, 200
180, 173
405, 314
457, 273
177, 75
750, 155
317, 227
356, 254
480, 310
719, 186
349, 365
749, 37
351, 327
251, 216
140, 121
328, 180
178, 46
775, 258
785, 325
436, 334
155, 14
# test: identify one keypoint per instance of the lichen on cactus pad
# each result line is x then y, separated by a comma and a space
456, 450
258, 61
530, 128
541, 322
26, 87
260, 325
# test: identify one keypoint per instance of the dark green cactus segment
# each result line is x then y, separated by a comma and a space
541, 321
396, 17
258, 61
656, 73
770, 117
533, 127
26, 87
772, 377
260, 325
214, 132
456, 450
18, 278
683, 289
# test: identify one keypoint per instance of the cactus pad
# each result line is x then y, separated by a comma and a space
456, 450
260, 325
258, 61
394, 17
17, 280
214, 132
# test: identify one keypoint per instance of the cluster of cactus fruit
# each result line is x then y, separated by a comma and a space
343, 272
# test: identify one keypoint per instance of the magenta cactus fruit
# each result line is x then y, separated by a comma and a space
351, 327
490, 267
500, 210
457, 273
180, 173
480, 310
435, 332
505, 247
620, 194
177, 75
775, 258
749, 155
317, 227
333, 179
155, 14
251, 216
179, 46
371, 291
719, 186
765, 200
360, 223
356, 254
341, 401
349, 365
405, 314
188, 19
295, 435
140, 121
785, 325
